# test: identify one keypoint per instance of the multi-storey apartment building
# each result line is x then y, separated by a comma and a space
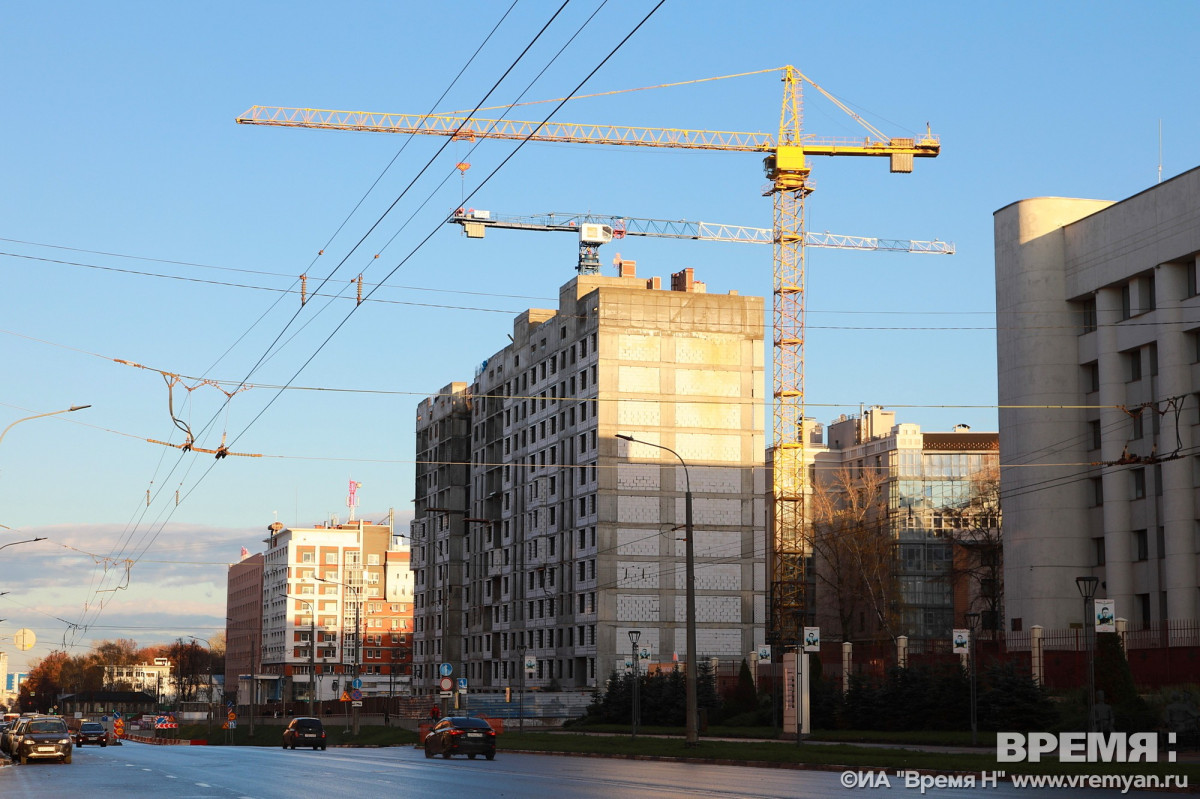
331, 581
540, 539
891, 564
1098, 321
243, 628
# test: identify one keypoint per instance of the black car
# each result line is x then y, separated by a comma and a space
91, 732
304, 731
43, 738
461, 735
13, 734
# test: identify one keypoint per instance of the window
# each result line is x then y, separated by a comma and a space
1126, 302
1098, 547
1141, 545
1087, 313
1133, 366
331, 558
1191, 279
1097, 491
1146, 294
1139, 429
1142, 601
1091, 377
1094, 437
1139, 483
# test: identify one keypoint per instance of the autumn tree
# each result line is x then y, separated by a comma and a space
40, 690
854, 553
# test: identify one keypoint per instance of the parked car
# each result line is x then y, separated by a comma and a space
43, 738
461, 735
91, 732
304, 731
12, 734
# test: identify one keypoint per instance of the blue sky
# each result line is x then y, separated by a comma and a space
139, 223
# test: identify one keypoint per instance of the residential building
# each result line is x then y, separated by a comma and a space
243, 629
904, 520
540, 540
330, 582
156, 679
1098, 326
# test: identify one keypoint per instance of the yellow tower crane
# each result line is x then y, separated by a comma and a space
786, 163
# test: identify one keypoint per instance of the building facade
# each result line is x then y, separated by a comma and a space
1098, 322
541, 540
156, 679
243, 625
330, 582
922, 548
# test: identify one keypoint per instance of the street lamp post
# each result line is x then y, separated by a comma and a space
40, 415
1087, 589
692, 736
253, 680
210, 682
634, 635
521, 671
973, 624
312, 650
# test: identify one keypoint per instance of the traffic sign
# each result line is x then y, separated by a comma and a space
231, 716
357, 683
356, 694
446, 669
345, 696
446, 684
356, 704
462, 685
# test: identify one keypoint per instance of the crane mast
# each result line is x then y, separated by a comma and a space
787, 169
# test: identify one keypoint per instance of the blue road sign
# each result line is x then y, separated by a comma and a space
357, 683
446, 669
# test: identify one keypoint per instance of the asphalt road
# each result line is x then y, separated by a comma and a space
140, 770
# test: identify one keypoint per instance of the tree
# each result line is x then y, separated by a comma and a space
854, 554
190, 662
40, 690
978, 563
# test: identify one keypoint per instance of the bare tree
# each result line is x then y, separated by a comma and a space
978, 564
854, 554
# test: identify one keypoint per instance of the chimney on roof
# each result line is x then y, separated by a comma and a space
685, 281
654, 283
626, 268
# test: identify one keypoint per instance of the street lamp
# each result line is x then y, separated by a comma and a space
521, 700
692, 737
40, 415
253, 679
312, 650
355, 591
634, 635
210, 682
973, 624
1087, 589
26, 541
